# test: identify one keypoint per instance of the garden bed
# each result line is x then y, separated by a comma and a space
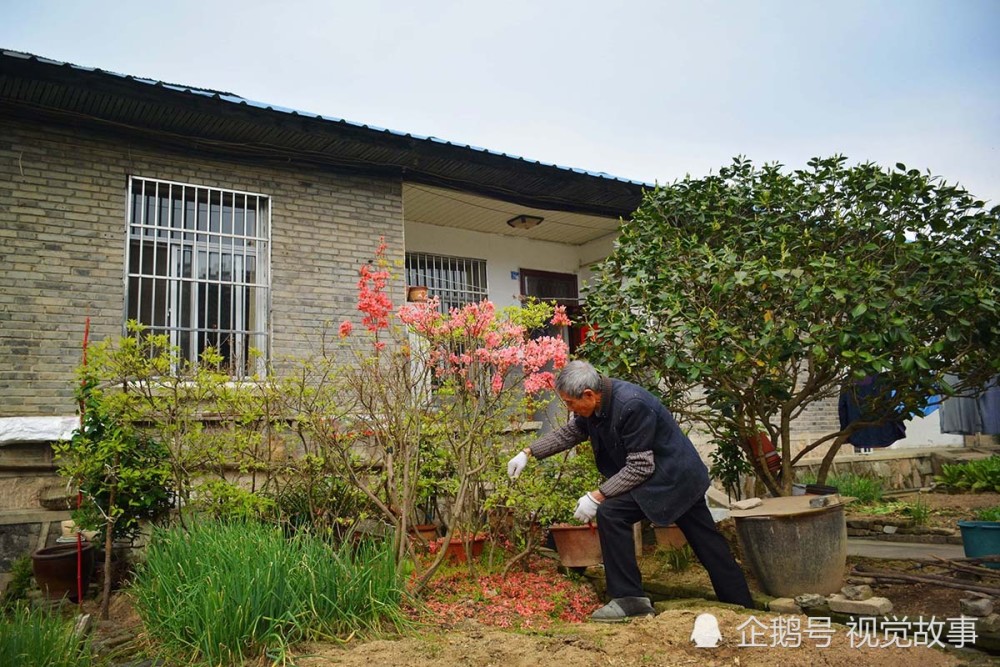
917, 517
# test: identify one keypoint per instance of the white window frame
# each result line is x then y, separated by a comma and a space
185, 248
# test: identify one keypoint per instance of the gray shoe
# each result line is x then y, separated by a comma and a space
622, 609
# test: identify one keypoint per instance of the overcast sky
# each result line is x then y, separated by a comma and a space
646, 90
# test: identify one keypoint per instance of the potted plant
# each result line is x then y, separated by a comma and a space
553, 490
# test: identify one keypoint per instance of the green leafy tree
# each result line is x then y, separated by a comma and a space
122, 473
748, 296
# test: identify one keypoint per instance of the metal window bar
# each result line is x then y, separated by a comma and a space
196, 274
457, 281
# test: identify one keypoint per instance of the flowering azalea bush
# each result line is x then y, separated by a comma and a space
445, 395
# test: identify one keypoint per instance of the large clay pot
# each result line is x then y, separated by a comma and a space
796, 552
578, 546
55, 569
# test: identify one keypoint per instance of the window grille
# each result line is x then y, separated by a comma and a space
197, 269
457, 281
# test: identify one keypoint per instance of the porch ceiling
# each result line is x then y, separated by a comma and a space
450, 208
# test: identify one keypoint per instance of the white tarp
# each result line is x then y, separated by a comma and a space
36, 429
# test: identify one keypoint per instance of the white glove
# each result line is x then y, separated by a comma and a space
516, 465
586, 508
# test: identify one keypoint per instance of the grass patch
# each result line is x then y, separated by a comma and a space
34, 637
919, 511
865, 489
225, 593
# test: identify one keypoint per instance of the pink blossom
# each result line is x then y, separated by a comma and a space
346, 328
539, 382
559, 317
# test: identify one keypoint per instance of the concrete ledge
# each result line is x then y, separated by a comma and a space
11, 517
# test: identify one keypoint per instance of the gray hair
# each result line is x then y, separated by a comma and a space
576, 377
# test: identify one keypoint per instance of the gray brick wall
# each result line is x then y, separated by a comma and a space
62, 243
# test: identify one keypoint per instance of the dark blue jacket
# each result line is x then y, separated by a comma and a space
634, 420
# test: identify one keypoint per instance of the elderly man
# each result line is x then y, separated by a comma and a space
652, 471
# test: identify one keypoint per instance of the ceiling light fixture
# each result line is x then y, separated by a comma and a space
525, 221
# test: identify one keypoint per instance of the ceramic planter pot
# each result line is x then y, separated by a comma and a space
55, 569
578, 546
416, 293
456, 548
423, 534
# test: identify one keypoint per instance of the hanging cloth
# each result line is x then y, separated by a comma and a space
851, 408
972, 415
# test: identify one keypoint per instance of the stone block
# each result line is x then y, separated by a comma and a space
857, 592
810, 601
873, 606
989, 623
978, 607
747, 504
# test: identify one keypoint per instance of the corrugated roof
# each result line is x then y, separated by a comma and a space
224, 123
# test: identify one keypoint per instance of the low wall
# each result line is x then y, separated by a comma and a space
23, 532
898, 469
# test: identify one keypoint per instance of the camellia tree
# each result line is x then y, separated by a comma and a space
746, 297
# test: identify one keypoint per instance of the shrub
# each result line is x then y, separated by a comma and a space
981, 476
988, 514
33, 637
223, 593
18, 586
865, 489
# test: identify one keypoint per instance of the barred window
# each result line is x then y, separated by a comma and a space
457, 281
197, 269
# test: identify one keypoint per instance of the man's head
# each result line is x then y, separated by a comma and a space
579, 386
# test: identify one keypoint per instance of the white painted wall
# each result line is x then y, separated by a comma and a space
926, 432
503, 255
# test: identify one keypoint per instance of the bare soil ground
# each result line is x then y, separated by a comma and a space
663, 640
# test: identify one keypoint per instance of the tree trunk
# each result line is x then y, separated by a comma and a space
109, 540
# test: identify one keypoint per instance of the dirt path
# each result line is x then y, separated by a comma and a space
663, 640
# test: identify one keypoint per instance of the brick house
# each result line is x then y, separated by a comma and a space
233, 223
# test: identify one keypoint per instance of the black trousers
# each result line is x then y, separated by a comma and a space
615, 517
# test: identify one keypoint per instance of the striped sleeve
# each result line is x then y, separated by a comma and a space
638, 468
559, 440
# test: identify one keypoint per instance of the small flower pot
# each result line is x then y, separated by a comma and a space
577, 546
455, 550
416, 293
